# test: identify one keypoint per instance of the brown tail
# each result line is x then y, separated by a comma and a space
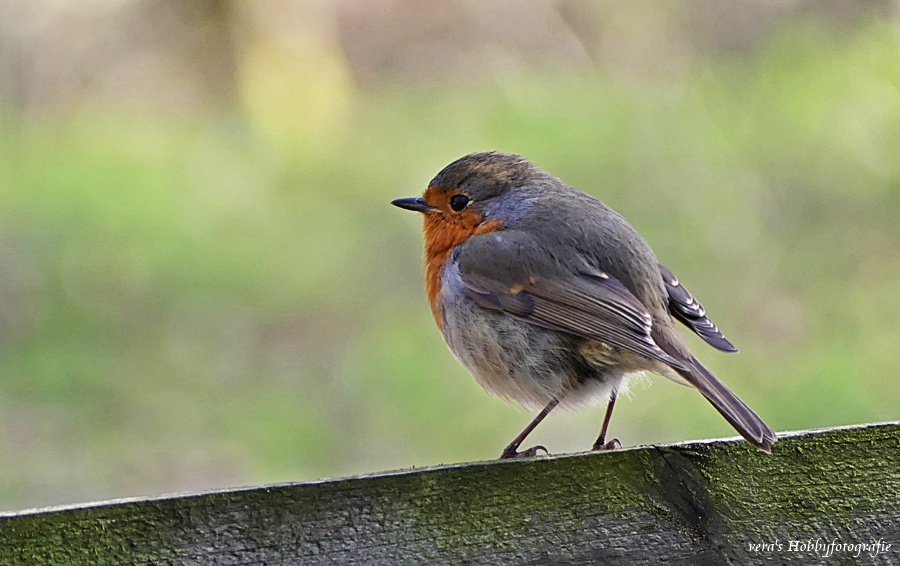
735, 411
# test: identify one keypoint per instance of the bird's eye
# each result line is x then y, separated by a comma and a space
458, 202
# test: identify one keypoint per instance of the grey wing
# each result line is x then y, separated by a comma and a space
506, 271
686, 309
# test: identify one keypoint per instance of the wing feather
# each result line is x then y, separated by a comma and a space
687, 310
598, 308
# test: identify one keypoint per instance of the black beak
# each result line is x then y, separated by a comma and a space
416, 203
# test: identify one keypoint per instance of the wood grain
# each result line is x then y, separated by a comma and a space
695, 503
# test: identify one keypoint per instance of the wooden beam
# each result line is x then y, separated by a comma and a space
715, 502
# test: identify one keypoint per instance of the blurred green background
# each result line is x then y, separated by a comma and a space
202, 283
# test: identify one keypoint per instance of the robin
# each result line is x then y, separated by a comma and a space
550, 298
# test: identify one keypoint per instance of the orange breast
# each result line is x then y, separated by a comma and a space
444, 230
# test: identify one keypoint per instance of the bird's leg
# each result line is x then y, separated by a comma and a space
601, 443
511, 451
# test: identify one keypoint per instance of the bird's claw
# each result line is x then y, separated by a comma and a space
611, 445
511, 452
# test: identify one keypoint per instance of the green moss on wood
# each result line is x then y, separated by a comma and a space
697, 503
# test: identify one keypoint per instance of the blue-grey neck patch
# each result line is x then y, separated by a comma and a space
511, 206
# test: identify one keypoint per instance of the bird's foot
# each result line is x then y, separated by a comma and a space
511, 452
611, 445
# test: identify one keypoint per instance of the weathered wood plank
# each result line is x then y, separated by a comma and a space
695, 503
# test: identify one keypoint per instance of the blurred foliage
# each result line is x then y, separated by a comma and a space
200, 300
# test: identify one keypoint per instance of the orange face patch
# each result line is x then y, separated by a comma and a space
444, 230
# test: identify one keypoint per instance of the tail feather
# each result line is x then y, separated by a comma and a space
735, 411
